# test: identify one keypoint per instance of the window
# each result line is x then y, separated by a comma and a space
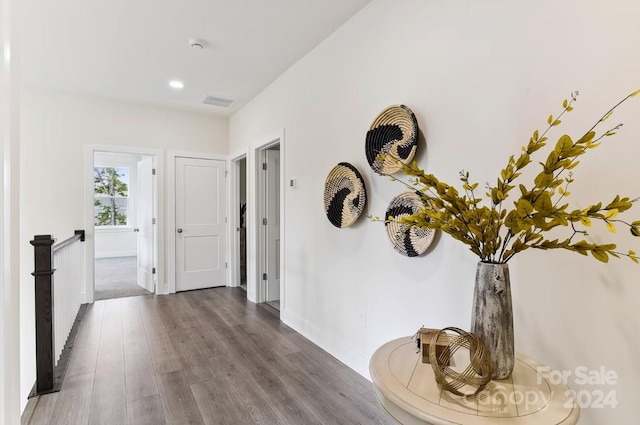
111, 196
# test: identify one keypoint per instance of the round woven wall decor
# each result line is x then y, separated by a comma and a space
476, 375
408, 241
344, 195
393, 133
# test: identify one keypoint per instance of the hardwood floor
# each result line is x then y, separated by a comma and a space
201, 357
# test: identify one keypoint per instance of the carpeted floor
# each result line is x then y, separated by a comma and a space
116, 278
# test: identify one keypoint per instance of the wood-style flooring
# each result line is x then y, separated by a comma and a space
201, 357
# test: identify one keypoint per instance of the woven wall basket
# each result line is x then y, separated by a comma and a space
344, 195
394, 133
407, 241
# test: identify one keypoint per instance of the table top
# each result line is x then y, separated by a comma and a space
407, 389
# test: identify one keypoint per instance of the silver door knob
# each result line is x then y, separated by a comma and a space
136, 229
179, 230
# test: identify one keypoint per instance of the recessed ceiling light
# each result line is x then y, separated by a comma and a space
176, 84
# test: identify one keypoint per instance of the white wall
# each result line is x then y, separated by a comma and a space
9, 216
115, 243
480, 77
56, 126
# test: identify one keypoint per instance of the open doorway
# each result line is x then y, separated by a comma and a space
123, 222
242, 222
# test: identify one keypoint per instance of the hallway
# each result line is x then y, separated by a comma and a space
201, 357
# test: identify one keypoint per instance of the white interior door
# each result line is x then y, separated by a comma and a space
145, 224
273, 224
200, 223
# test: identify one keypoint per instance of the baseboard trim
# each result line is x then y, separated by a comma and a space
328, 343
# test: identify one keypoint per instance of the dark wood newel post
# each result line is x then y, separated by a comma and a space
43, 274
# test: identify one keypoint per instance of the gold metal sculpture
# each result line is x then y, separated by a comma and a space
476, 375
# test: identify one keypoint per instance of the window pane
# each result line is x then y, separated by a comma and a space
111, 191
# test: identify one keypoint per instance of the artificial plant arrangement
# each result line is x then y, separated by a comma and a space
495, 232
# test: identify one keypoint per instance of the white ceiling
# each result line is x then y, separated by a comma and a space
131, 49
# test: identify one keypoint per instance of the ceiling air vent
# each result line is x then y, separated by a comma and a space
217, 101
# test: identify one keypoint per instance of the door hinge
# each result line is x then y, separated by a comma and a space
264, 276
153, 270
226, 173
264, 165
226, 219
264, 221
226, 266
153, 171
153, 220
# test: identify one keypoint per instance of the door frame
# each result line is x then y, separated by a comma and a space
258, 238
171, 211
158, 163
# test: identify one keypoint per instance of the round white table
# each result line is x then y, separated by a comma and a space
407, 389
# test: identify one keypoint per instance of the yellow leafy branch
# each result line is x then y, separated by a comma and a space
496, 234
